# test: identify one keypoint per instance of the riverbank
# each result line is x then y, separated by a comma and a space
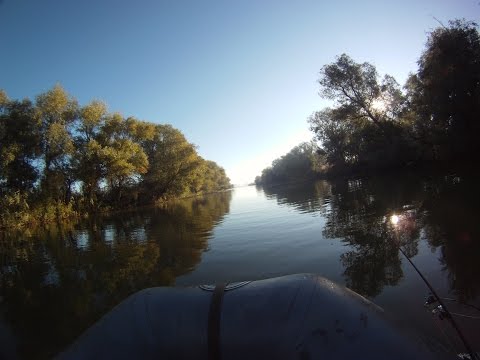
17, 214
421, 169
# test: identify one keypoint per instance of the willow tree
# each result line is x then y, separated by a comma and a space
19, 139
363, 126
54, 147
359, 93
445, 93
57, 111
213, 177
88, 160
124, 158
173, 163
303, 162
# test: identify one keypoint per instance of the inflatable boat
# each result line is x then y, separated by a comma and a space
301, 317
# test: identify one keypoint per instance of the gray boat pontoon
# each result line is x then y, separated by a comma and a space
291, 317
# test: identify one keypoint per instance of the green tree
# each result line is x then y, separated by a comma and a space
54, 147
213, 177
445, 93
304, 161
88, 160
173, 164
57, 111
336, 136
364, 128
358, 92
19, 137
124, 158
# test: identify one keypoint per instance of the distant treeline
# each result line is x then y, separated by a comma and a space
375, 125
59, 159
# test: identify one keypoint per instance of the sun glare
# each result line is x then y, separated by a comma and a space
394, 219
379, 105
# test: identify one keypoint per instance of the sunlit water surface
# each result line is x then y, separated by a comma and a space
55, 283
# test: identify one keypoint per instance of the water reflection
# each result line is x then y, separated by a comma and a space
359, 214
57, 283
305, 197
441, 210
451, 222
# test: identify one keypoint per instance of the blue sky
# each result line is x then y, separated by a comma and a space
238, 78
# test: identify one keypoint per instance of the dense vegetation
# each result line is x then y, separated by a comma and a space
302, 162
59, 159
374, 124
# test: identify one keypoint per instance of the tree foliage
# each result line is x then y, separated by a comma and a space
19, 137
302, 162
358, 92
174, 163
372, 124
56, 111
58, 158
364, 128
445, 92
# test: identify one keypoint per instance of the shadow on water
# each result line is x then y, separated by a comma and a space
451, 222
443, 210
57, 282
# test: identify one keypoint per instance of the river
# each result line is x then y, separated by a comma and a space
56, 282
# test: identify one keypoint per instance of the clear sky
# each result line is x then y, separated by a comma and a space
238, 78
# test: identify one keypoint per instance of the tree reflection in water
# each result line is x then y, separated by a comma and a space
59, 281
442, 210
359, 214
451, 222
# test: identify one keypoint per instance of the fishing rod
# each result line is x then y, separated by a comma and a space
394, 219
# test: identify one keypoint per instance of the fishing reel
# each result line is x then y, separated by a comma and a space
437, 310
435, 305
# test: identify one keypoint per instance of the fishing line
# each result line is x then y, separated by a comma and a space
444, 308
466, 316
395, 219
461, 303
452, 348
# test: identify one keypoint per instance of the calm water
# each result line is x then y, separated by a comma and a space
56, 283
